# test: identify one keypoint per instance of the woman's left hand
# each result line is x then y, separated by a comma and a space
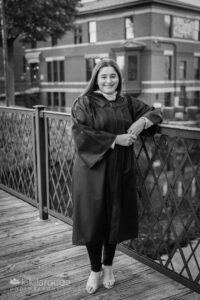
137, 127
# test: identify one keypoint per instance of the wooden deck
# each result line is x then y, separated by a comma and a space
38, 261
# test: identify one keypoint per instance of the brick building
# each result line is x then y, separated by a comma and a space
155, 42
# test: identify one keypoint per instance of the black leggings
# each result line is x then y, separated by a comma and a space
95, 255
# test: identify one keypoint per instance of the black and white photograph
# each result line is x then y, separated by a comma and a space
100, 149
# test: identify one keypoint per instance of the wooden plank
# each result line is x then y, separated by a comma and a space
10, 204
21, 247
7, 214
187, 296
28, 255
9, 200
20, 217
28, 222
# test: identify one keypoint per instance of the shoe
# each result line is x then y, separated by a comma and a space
93, 282
108, 277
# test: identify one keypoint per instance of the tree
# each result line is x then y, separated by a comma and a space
33, 21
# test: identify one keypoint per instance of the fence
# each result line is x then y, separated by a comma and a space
37, 152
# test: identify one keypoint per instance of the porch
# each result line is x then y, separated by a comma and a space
38, 261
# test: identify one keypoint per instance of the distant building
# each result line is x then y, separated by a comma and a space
155, 42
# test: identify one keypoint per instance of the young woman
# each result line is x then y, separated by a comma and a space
105, 126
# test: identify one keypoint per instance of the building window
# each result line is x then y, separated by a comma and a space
197, 98
54, 41
49, 99
132, 64
186, 28
92, 32
49, 72
120, 59
34, 72
129, 28
62, 95
56, 71
197, 68
182, 95
62, 70
168, 67
24, 64
56, 100
197, 30
78, 34
168, 25
182, 69
167, 99
90, 64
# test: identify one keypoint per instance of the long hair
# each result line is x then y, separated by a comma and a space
106, 62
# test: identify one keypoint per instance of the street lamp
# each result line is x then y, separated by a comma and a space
4, 48
157, 43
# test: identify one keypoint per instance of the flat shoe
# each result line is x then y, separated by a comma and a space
108, 277
109, 284
93, 282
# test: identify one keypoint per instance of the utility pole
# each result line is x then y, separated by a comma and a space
4, 48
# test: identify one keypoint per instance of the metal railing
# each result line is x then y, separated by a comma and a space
18, 153
37, 152
168, 167
59, 161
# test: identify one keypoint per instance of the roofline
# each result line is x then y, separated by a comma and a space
116, 6
178, 4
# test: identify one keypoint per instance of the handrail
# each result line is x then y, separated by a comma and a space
178, 127
20, 110
180, 131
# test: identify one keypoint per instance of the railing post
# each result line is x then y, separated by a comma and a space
41, 162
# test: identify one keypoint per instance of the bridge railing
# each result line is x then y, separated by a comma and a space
18, 153
37, 153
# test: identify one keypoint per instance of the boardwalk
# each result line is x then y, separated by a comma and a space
38, 261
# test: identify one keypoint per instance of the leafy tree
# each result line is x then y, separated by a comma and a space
33, 21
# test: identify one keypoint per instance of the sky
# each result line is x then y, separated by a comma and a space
193, 2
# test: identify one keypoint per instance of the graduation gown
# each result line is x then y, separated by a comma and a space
104, 180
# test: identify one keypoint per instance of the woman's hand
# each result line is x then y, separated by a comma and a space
137, 127
125, 139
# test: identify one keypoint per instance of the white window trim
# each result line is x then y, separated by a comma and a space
54, 58
168, 52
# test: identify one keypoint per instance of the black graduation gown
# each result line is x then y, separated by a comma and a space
104, 184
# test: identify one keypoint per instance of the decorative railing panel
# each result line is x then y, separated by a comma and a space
168, 167
60, 155
17, 152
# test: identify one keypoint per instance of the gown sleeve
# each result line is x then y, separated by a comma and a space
91, 144
140, 109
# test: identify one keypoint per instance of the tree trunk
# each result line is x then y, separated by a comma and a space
11, 75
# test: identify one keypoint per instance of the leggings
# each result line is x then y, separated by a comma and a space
95, 255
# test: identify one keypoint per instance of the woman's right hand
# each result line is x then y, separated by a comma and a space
125, 139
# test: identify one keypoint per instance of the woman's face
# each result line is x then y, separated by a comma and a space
107, 80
